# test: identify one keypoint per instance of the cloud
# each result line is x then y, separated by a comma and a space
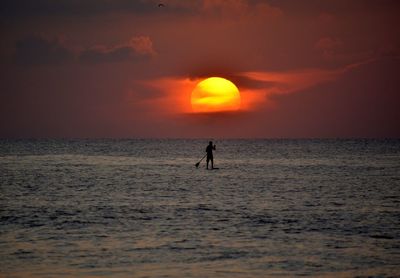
259, 89
138, 49
363, 102
36, 50
27, 8
328, 43
278, 83
328, 47
227, 9
273, 50
39, 50
142, 45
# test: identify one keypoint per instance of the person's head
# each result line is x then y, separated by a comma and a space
210, 143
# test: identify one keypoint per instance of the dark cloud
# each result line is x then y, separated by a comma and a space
138, 49
103, 56
241, 81
39, 50
28, 8
39, 8
228, 70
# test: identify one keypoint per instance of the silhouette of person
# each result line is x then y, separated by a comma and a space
209, 151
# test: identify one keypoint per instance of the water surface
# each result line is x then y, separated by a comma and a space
140, 208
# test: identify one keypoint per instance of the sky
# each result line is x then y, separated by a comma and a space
127, 68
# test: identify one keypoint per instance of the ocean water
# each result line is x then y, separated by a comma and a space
140, 208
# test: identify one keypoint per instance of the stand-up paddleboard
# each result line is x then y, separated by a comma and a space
215, 168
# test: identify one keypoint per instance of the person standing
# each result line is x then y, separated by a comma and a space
209, 151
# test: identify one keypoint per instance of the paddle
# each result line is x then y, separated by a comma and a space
198, 163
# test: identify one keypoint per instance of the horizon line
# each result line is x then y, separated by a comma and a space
198, 138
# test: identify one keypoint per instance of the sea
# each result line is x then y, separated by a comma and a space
141, 208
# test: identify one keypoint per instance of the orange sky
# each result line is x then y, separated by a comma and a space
127, 68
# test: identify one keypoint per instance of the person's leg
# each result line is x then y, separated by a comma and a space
212, 163
207, 162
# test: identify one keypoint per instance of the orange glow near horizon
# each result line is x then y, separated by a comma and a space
215, 94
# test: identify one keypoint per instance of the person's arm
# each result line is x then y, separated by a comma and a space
214, 147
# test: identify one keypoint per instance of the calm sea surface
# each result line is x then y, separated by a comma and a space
140, 208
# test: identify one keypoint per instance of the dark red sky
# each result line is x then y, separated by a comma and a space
99, 68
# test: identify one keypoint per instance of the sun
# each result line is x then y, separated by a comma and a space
215, 94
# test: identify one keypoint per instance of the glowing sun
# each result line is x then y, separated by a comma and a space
215, 94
